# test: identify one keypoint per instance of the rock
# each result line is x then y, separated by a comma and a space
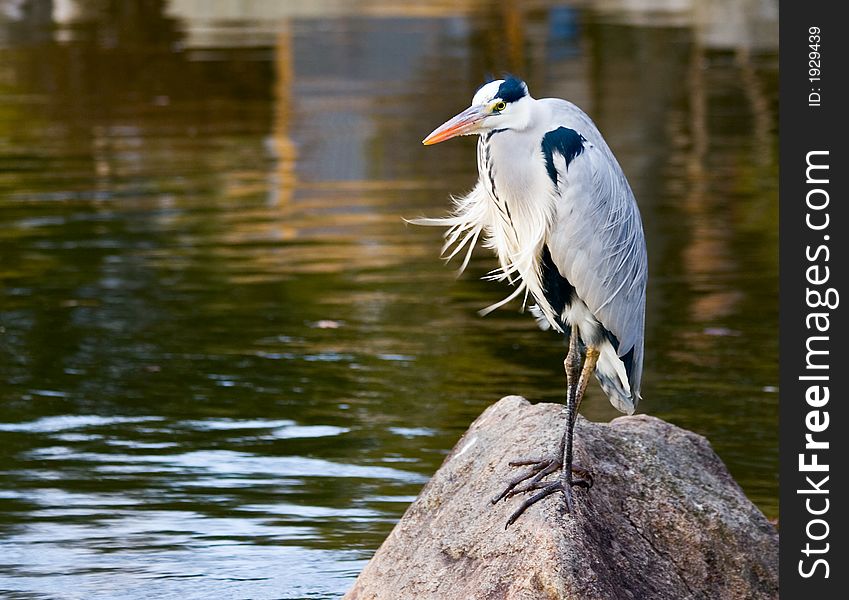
663, 520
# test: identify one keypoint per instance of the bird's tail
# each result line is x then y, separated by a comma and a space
613, 378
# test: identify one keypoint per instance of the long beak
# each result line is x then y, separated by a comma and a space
463, 124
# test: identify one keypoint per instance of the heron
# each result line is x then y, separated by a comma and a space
554, 205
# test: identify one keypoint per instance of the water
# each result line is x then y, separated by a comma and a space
227, 365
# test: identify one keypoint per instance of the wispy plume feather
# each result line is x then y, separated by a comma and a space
518, 248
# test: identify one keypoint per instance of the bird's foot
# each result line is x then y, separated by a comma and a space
546, 488
539, 469
532, 480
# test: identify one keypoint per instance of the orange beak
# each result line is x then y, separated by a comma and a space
463, 124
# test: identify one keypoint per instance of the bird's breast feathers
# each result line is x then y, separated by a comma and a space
520, 209
530, 182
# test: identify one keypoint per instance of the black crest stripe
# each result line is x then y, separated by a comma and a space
512, 89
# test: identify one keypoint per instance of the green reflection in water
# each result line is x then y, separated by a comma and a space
227, 364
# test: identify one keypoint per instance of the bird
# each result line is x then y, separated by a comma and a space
556, 208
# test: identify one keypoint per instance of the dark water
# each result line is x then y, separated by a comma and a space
227, 365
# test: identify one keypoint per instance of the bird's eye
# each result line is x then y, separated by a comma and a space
499, 106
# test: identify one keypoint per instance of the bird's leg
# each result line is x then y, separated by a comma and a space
585, 476
566, 475
566, 480
577, 377
541, 467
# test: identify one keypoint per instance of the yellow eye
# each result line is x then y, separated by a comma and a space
499, 106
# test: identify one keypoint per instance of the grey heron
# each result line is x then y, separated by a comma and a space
554, 205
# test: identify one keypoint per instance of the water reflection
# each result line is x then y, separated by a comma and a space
227, 365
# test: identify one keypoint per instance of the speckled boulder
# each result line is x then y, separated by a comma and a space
664, 520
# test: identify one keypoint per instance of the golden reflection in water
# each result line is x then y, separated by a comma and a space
715, 221
284, 180
514, 38
707, 248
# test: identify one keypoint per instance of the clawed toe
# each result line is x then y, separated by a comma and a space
524, 462
539, 468
545, 491
585, 482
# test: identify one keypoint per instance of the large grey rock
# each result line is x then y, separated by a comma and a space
664, 520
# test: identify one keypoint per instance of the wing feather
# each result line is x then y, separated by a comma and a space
597, 241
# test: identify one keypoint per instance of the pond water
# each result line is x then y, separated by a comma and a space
227, 365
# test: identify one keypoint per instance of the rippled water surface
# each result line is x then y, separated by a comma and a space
227, 365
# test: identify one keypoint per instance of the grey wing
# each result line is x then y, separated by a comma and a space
597, 239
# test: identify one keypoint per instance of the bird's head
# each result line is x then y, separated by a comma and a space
500, 104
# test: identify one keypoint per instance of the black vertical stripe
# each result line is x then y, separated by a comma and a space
558, 291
